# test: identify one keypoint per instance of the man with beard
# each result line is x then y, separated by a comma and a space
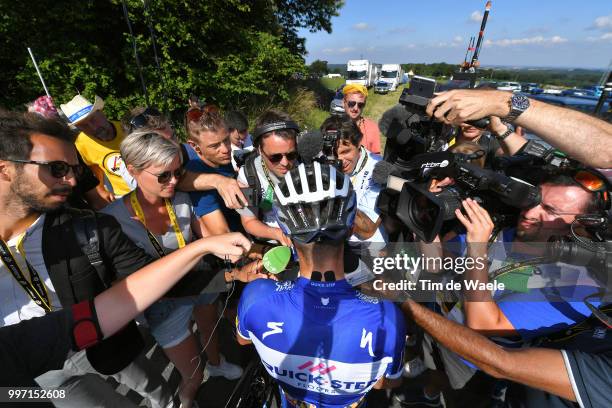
44, 267
530, 312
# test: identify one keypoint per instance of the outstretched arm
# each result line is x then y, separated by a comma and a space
579, 135
536, 367
116, 306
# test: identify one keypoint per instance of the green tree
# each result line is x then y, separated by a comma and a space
318, 68
240, 53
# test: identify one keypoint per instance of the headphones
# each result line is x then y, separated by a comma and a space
272, 126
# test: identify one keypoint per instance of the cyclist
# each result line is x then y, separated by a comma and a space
324, 342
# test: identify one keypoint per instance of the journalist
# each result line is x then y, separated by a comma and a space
275, 154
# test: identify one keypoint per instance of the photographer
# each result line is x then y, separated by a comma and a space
276, 154
325, 343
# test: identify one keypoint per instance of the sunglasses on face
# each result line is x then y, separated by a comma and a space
351, 104
166, 176
140, 121
277, 157
57, 168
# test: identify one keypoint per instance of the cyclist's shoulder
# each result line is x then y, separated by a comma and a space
261, 290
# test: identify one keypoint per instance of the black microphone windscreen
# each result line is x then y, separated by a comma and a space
397, 113
381, 172
309, 145
404, 137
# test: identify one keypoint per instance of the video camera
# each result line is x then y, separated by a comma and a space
409, 130
407, 195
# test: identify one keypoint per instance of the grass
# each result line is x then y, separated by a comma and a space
332, 83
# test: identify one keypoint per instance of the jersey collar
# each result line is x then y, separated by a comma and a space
315, 286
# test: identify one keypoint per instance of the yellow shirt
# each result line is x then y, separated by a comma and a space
105, 154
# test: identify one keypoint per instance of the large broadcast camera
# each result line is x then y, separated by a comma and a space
408, 198
409, 130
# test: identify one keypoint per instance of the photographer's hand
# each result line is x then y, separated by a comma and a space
461, 105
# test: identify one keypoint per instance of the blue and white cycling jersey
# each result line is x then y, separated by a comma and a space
324, 342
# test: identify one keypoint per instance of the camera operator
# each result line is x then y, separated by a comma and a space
276, 154
358, 163
325, 343
500, 139
579, 135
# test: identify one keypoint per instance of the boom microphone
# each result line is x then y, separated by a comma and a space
310, 145
381, 172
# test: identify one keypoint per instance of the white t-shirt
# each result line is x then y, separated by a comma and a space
268, 216
15, 304
367, 192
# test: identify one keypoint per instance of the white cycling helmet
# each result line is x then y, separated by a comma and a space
315, 202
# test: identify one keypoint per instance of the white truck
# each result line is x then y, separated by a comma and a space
361, 72
392, 74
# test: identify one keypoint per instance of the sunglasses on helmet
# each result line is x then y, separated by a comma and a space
57, 168
141, 120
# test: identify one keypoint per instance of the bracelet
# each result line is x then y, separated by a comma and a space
504, 135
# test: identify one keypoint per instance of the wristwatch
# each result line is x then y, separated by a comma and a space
507, 133
519, 103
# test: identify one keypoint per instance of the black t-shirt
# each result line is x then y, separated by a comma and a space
591, 376
33, 347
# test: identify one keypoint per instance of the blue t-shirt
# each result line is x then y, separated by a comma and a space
324, 342
553, 300
205, 202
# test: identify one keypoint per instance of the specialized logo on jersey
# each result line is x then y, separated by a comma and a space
282, 286
112, 163
276, 329
366, 298
320, 375
325, 301
366, 341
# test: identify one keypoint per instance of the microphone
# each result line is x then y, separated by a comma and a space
392, 119
381, 172
276, 259
310, 145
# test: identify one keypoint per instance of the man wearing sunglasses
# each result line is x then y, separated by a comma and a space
541, 300
355, 97
43, 267
276, 155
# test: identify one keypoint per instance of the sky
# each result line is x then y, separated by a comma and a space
540, 33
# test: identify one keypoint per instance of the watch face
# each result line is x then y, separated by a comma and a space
520, 102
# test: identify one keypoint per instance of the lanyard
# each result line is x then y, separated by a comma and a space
364, 155
173, 221
36, 288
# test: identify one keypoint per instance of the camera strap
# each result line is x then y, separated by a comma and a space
35, 288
